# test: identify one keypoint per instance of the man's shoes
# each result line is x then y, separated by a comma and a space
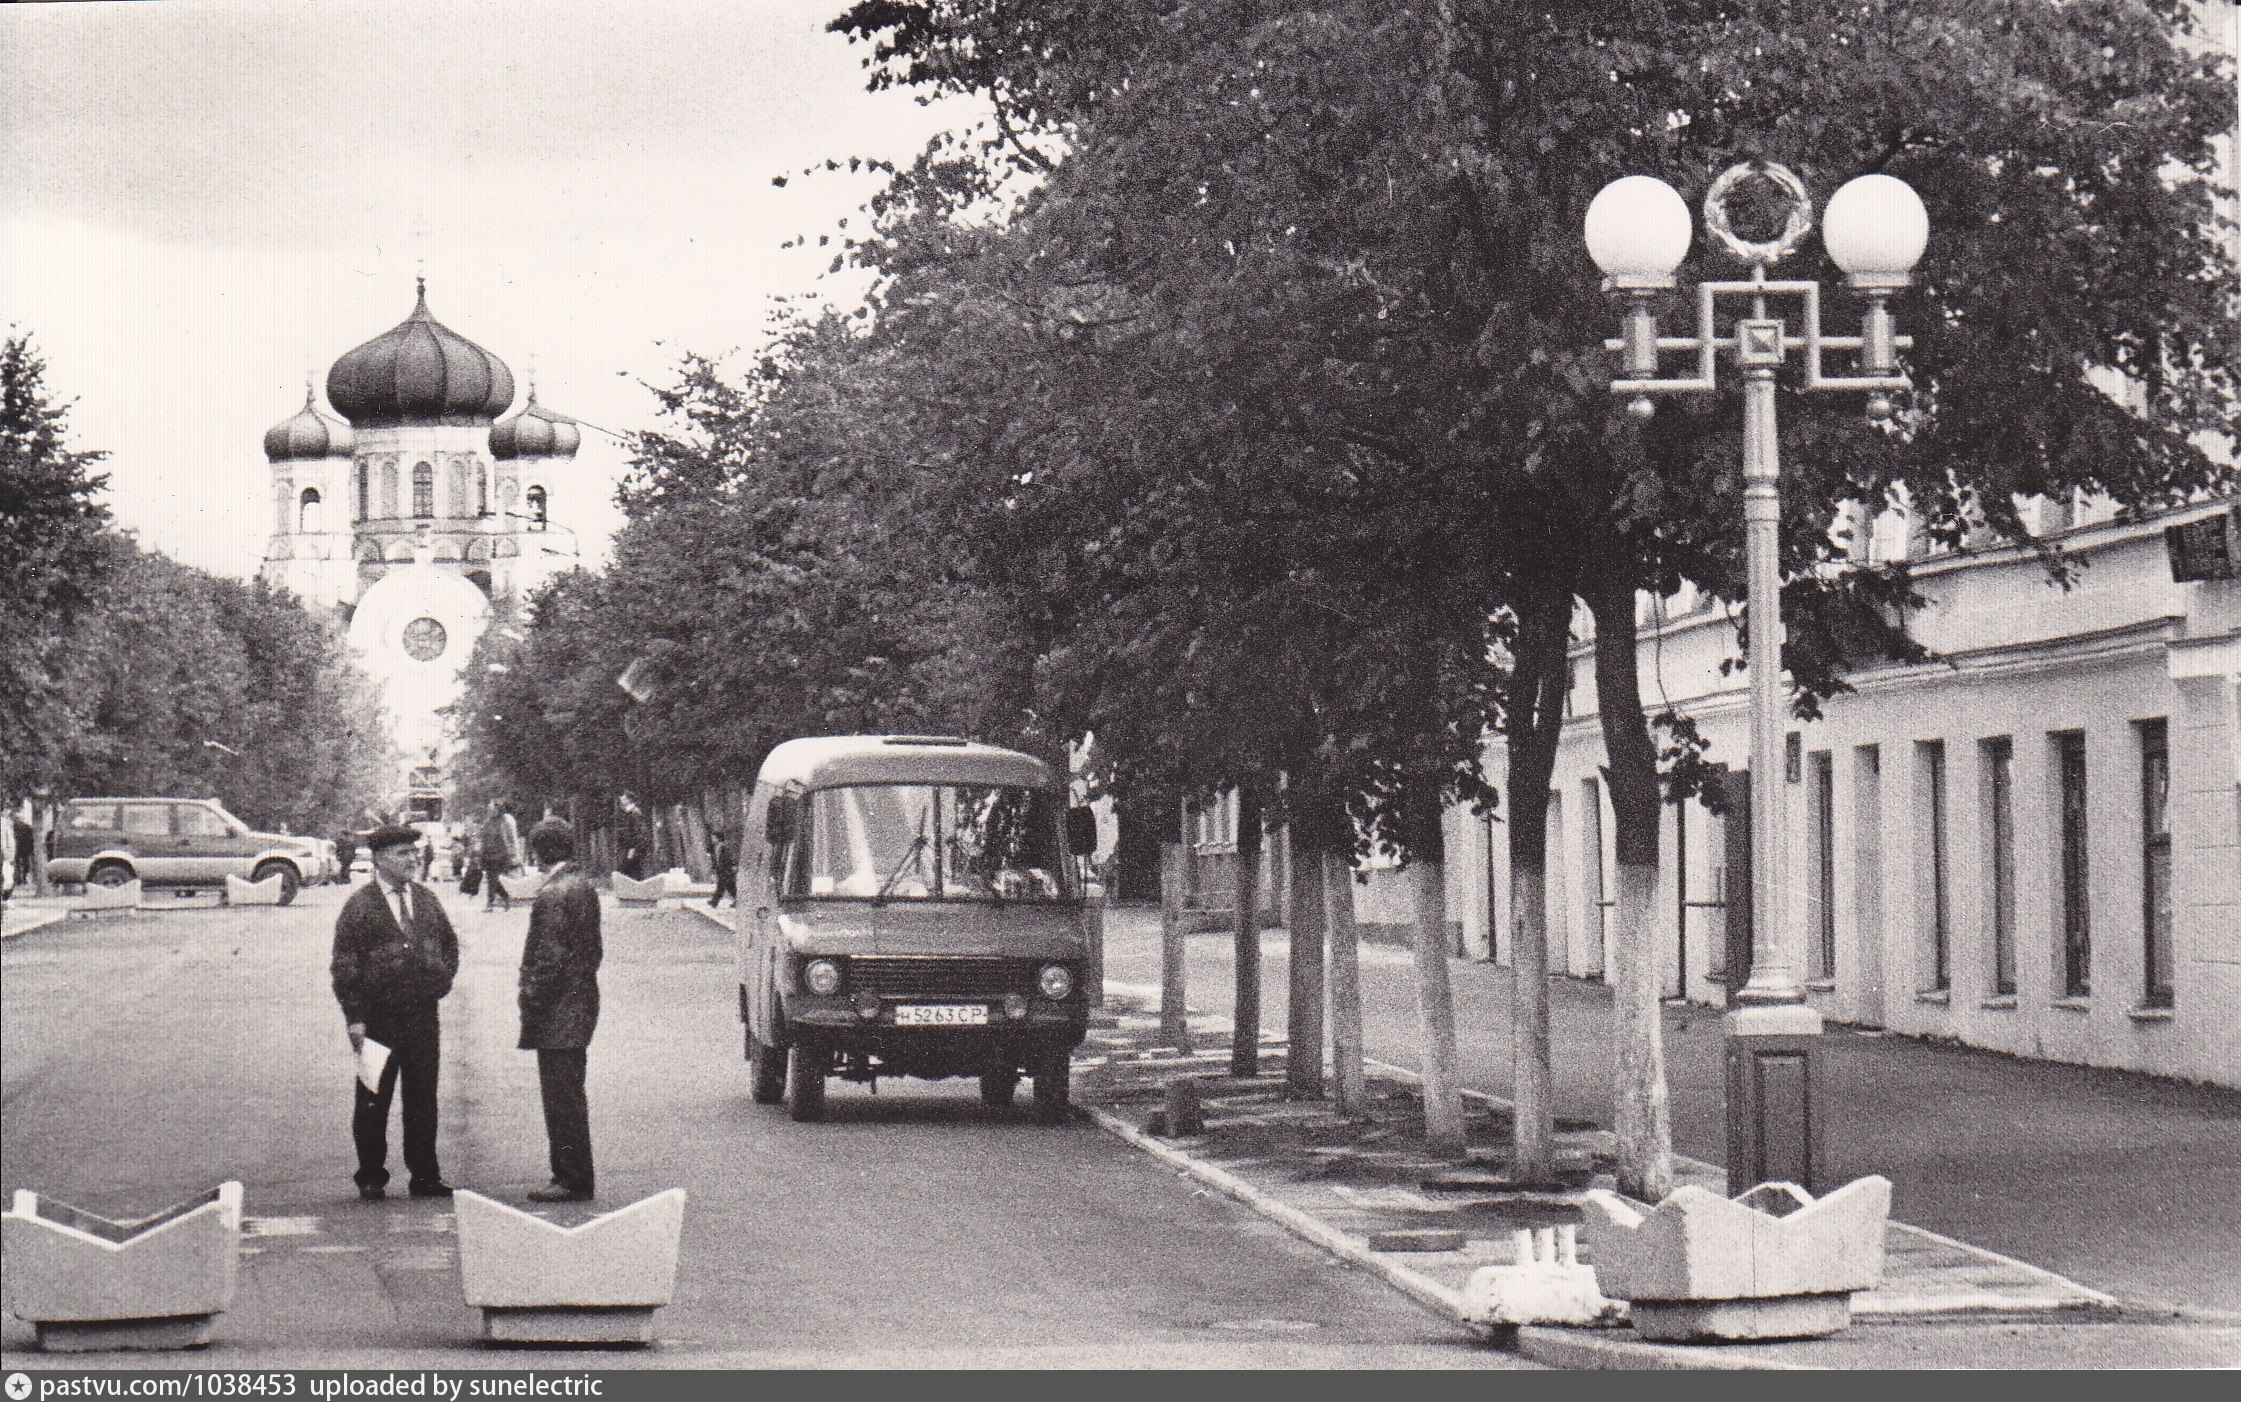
437, 1189
554, 1192
371, 1192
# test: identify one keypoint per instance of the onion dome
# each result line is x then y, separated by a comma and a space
308, 435
421, 372
535, 432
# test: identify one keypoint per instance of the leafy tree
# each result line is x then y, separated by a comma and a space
1361, 224
54, 546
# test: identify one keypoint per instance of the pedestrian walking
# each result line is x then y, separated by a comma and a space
726, 859
500, 845
395, 956
560, 1006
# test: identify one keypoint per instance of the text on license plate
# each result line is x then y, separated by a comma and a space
942, 1015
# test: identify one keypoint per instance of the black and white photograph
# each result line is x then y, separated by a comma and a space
964, 686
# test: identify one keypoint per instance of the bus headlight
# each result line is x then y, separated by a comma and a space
822, 976
1056, 982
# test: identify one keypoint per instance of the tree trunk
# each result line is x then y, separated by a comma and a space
1643, 1120
1435, 1006
1303, 1074
1245, 1036
1174, 1007
1352, 1088
42, 832
1534, 697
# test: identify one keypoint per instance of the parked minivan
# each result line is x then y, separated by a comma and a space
909, 907
173, 842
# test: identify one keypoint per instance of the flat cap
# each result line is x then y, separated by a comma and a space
391, 835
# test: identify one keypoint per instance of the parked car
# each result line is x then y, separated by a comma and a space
908, 908
173, 842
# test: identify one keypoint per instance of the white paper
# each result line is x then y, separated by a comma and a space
373, 1058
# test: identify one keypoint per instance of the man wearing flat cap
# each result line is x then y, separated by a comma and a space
394, 959
560, 1005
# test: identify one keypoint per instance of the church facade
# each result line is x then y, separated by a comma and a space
419, 509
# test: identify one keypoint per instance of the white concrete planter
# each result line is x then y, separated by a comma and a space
97, 899
88, 1283
596, 1283
240, 892
1775, 1263
1546, 1284
639, 893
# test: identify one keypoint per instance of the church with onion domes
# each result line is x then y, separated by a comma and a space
418, 509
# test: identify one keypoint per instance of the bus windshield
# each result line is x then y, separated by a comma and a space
931, 842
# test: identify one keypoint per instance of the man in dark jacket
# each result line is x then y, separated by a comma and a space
394, 959
560, 1005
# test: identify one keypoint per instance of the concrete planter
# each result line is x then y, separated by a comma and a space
596, 1283
640, 894
99, 899
1775, 1263
88, 1283
240, 892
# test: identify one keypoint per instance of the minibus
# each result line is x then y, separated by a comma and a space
909, 906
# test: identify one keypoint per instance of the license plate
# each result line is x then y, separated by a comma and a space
942, 1015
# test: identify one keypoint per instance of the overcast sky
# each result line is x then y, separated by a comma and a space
205, 200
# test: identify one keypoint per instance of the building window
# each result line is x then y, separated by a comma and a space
482, 488
1999, 853
309, 516
2155, 862
536, 508
1931, 755
2077, 929
423, 491
364, 472
1820, 799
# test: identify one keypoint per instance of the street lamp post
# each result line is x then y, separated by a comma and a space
1638, 232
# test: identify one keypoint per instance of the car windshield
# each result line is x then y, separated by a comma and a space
920, 842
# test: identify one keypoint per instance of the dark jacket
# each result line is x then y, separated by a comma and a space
377, 965
560, 964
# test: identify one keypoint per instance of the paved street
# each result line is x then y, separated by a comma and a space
2125, 1183
147, 1058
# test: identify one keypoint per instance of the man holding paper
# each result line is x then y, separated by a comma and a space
394, 959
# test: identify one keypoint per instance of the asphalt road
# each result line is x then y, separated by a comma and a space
143, 1060
2126, 1183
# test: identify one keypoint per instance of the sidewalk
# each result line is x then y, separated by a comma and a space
1339, 1183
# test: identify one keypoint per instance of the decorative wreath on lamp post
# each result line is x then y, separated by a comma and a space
1795, 226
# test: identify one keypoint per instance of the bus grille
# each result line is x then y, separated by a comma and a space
934, 977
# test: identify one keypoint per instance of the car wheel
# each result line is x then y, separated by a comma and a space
1053, 1076
289, 885
109, 874
767, 1066
805, 1081
996, 1088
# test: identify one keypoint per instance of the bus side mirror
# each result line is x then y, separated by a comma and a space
1081, 832
781, 819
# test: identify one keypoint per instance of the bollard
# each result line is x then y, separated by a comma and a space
1185, 1115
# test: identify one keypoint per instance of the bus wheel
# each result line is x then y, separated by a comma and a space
767, 1066
805, 1081
1053, 1074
